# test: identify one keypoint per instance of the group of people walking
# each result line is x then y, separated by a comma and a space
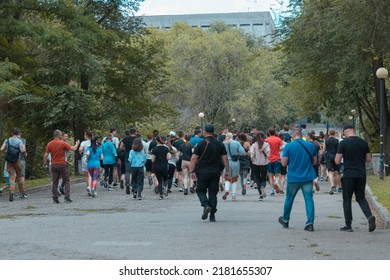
206, 163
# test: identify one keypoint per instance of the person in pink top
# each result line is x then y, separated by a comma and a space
276, 145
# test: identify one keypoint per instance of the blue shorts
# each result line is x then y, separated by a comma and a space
273, 167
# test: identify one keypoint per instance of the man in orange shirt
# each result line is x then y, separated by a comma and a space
275, 144
57, 148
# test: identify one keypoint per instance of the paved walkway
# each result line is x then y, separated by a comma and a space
114, 226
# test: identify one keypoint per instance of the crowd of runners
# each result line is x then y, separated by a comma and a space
205, 163
254, 159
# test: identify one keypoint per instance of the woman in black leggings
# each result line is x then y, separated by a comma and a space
160, 157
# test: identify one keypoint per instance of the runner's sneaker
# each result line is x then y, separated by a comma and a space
192, 189
68, 200
181, 189
221, 187
156, 189
277, 189
139, 197
58, 192
23, 195
101, 181
109, 188
234, 198
160, 197
128, 191
11, 196
150, 180
262, 192
166, 191
185, 191
243, 190
122, 185
340, 190
332, 190
93, 193
89, 191
260, 198
62, 191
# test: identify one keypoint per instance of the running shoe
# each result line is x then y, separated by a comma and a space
221, 187
89, 191
93, 193
166, 191
225, 195
160, 197
128, 191
181, 189
317, 186
23, 195
277, 189
185, 191
156, 189
62, 191
11, 196
122, 186
101, 181
262, 192
150, 180
332, 190
234, 198
109, 188
243, 190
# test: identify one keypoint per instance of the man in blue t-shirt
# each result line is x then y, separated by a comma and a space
299, 156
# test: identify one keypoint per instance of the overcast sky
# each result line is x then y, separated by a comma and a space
173, 7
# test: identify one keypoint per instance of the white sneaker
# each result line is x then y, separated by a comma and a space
93, 193
89, 191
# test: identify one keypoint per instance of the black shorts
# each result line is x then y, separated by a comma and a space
283, 170
148, 165
332, 166
178, 165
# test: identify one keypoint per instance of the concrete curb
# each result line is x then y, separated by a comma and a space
382, 211
48, 187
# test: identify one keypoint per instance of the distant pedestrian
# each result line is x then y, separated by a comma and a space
355, 153
207, 162
234, 149
160, 157
276, 145
330, 148
137, 160
109, 161
13, 147
83, 152
299, 156
57, 148
94, 156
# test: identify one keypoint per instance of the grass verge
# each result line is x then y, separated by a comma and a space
381, 189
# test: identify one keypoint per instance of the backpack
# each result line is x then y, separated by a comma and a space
12, 155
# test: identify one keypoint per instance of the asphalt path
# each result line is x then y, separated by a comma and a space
114, 226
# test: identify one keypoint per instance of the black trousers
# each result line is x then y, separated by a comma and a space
109, 172
260, 176
207, 187
357, 186
162, 178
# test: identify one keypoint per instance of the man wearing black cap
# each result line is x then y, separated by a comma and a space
355, 152
207, 162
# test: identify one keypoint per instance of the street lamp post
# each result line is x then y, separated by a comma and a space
201, 116
382, 74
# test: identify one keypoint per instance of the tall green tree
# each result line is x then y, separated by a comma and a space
334, 58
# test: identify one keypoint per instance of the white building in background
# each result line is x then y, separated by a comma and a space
257, 23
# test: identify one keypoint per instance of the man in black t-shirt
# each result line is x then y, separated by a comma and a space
356, 153
206, 165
